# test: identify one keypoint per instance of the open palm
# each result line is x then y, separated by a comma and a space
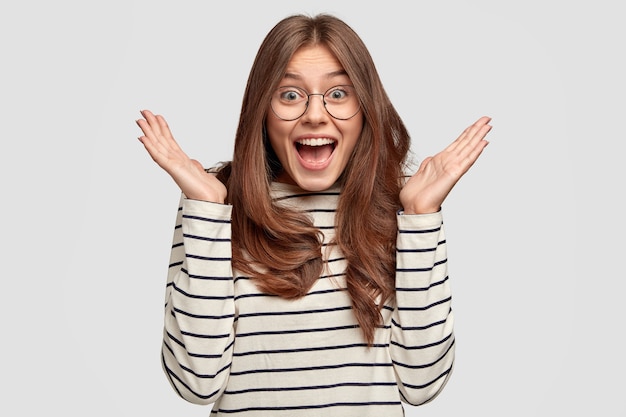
188, 173
426, 190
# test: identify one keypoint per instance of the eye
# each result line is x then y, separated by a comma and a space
290, 95
339, 93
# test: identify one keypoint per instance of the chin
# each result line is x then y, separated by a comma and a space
317, 183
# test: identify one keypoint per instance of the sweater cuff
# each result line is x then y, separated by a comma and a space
419, 221
207, 209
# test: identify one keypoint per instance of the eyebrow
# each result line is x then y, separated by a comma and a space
333, 74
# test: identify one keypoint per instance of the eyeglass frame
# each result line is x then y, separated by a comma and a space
308, 100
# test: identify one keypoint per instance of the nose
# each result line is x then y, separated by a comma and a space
316, 111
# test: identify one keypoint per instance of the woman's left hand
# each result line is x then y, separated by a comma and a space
426, 190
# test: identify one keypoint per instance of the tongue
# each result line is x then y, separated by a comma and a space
315, 154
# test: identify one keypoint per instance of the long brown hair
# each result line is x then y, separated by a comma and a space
280, 248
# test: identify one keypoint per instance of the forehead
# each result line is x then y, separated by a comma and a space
314, 62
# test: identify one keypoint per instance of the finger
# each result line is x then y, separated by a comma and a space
472, 135
145, 127
477, 137
152, 121
156, 145
158, 131
153, 150
472, 156
469, 154
469, 131
149, 125
164, 127
150, 139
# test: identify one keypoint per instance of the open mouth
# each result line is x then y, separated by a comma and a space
315, 151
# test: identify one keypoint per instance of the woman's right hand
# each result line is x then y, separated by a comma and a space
188, 173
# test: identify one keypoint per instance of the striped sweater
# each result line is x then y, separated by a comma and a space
255, 354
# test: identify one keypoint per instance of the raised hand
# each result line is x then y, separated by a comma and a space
188, 173
437, 175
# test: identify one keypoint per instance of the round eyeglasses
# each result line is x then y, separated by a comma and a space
290, 103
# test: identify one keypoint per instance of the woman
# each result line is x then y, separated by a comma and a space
308, 275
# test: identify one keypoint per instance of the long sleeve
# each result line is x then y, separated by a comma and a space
199, 303
422, 338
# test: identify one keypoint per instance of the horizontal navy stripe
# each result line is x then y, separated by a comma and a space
247, 278
422, 308
204, 376
428, 383
175, 311
427, 365
321, 193
409, 328
206, 219
339, 274
423, 269
202, 297
426, 346
205, 336
309, 407
208, 258
310, 349
296, 312
203, 317
172, 374
437, 229
206, 356
239, 297
312, 368
201, 277
193, 354
207, 239
335, 260
299, 331
175, 264
318, 210
207, 277
313, 387
416, 250
175, 340
419, 289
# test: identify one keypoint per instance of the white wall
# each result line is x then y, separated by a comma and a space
535, 229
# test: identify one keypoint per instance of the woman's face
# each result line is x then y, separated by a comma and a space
315, 148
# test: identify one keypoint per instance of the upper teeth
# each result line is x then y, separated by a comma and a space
316, 141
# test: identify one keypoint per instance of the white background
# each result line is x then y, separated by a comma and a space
535, 229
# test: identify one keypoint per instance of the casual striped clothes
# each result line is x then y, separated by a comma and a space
256, 355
